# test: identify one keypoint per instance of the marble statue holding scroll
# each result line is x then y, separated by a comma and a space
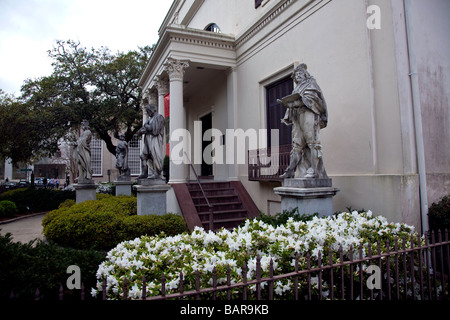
307, 114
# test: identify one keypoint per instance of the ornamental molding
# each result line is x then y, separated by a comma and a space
261, 23
197, 37
162, 85
151, 96
175, 68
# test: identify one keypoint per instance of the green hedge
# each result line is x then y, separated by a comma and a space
103, 223
39, 265
7, 209
36, 200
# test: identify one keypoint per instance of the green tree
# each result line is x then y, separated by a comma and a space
28, 131
95, 85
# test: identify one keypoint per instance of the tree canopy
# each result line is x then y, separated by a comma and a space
91, 84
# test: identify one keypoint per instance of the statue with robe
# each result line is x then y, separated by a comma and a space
122, 157
152, 154
307, 114
83, 154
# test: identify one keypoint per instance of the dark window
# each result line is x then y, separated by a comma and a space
258, 3
276, 112
213, 28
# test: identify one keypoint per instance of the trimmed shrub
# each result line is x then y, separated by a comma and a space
137, 226
36, 200
67, 204
26, 267
103, 223
7, 209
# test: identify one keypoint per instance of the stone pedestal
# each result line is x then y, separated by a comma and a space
123, 188
85, 191
308, 195
151, 196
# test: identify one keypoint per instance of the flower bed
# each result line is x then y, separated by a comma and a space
204, 251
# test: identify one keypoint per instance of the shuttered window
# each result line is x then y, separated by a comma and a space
276, 111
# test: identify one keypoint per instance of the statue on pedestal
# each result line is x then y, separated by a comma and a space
152, 155
307, 114
83, 154
122, 158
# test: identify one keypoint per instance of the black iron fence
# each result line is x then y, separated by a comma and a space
408, 269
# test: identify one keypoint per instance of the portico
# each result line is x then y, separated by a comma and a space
198, 69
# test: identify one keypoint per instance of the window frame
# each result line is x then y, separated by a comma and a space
134, 156
284, 86
97, 157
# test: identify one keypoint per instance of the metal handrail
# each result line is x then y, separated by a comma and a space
210, 206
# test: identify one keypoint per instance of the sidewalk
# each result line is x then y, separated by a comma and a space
24, 230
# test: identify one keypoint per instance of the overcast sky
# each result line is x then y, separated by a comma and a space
29, 28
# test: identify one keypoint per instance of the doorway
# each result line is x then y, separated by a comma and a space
206, 169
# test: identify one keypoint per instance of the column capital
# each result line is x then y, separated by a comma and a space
175, 68
151, 95
162, 85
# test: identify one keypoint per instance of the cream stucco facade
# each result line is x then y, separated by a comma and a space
387, 144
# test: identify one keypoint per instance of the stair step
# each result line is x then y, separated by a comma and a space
209, 185
225, 223
216, 198
229, 210
238, 219
221, 206
219, 212
221, 215
212, 192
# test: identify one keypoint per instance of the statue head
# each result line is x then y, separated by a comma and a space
85, 124
300, 73
150, 109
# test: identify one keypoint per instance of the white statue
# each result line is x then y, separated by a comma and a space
152, 155
83, 154
307, 114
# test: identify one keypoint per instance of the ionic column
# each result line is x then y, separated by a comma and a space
175, 70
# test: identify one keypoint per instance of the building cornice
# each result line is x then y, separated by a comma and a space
259, 24
172, 33
177, 34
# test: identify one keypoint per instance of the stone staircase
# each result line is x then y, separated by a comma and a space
231, 204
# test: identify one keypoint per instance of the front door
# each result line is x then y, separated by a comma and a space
207, 169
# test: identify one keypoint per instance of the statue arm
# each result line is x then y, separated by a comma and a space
287, 120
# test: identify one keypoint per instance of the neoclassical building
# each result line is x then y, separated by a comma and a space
384, 69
